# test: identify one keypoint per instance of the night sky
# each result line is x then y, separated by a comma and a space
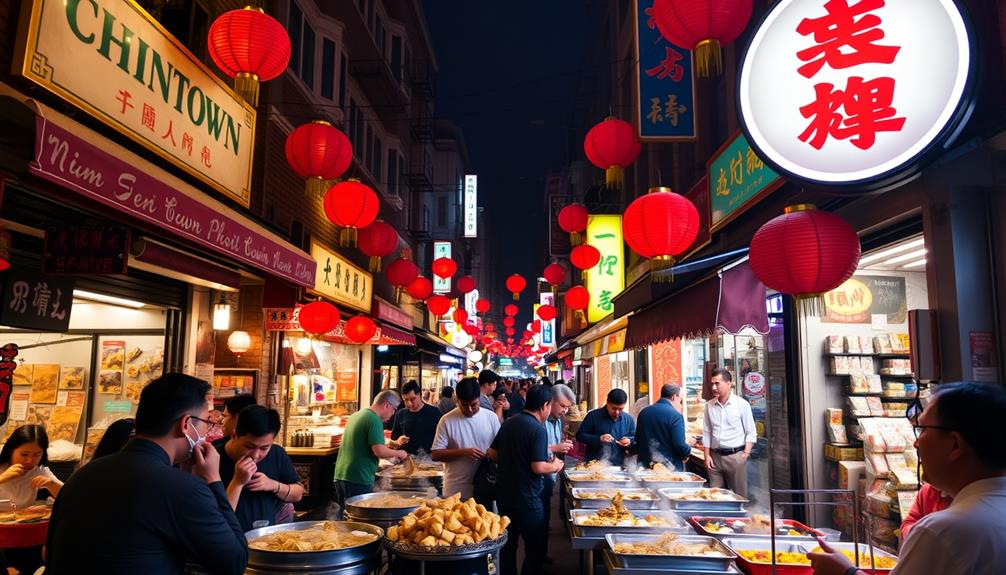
508, 76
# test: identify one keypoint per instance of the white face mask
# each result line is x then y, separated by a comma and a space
194, 443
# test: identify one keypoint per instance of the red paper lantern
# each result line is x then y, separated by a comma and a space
471, 329
319, 152
318, 317
438, 305
378, 240
511, 310
527, 334
547, 312
702, 26
660, 225
351, 206
585, 257
400, 274
460, 316
554, 274
804, 252
490, 327
249, 46
516, 284
577, 298
483, 305
510, 340
360, 329
612, 146
536, 326
509, 331
573, 221
466, 284
508, 321
420, 288
444, 268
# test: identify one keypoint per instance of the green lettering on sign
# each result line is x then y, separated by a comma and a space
737, 178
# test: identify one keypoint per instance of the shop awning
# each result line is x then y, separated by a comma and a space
394, 336
595, 341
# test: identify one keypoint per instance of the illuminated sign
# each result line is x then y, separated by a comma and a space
471, 205
337, 278
607, 279
441, 250
547, 334
470, 299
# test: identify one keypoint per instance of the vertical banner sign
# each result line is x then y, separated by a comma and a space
471, 206
547, 327
441, 250
470, 299
607, 279
666, 88
737, 179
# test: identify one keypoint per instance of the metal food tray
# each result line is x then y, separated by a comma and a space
656, 481
446, 552
679, 562
382, 513
675, 524
616, 567
765, 544
259, 558
698, 520
573, 479
736, 505
585, 503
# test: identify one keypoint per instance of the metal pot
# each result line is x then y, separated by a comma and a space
348, 560
380, 515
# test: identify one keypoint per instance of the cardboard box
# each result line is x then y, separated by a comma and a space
849, 474
842, 453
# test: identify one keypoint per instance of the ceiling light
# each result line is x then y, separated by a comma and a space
891, 251
906, 257
81, 294
915, 264
221, 317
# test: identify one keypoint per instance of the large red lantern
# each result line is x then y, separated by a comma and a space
547, 312
573, 221
509, 321
483, 305
509, 331
318, 317
466, 284
612, 146
536, 326
804, 252
377, 241
420, 289
554, 274
471, 329
585, 257
577, 299
660, 225
444, 268
516, 284
527, 334
360, 329
400, 274
460, 316
249, 46
703, 26
510, 310
438, 304
351, 206
319, 152
490, 327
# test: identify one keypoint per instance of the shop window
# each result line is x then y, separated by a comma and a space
307, 57
327, 69
323, 379
294, 24
396, 57
343, 66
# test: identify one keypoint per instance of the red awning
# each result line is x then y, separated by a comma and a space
690, 312
385, 335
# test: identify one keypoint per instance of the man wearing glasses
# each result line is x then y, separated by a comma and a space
961, 441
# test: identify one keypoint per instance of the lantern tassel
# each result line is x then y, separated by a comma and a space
398, 294
375, 264
516, 296
708, 58
811, 305
246, 85
659, 264
614, 177
347, 237
580, 317
316, 187
575, 238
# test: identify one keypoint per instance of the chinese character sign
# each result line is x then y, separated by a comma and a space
547, 335
666, 107
337, 278
845, 92
441, 250
607, 279
36, 301
471, 206
737, 178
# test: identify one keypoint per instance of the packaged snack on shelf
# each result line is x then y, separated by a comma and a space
856, 364
906, 343
833, 416
878, 504
849, 474
883, 529
857, 406
894, 389
906, 499
897, 345
875, 406
836, 434
840, 365
866, 364
852, 344
875, 384
876, 465
895, 408
894, 440
842, 452
835, 344
882, 343
858, 383
905, 479
911, 458
866, 344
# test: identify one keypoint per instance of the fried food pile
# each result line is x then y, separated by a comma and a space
591, 465
618, 515
448, 522
325, 537
605, 494
668, 544
391, 501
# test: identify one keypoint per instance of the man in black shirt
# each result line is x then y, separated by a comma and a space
521, 450
132, 512
260, 477
415, 425
232, 407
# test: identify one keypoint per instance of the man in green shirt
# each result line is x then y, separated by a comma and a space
362, 446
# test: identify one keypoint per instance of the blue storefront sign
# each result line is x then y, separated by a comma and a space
666, 87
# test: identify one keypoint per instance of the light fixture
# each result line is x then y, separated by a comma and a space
303, 346
474, 356
891, 251
382, 348
915, 264
238, 342
221, 315
91, 296
906, 257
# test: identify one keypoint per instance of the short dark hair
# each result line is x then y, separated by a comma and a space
114, 438
468, 389
165, 400
257, 420
447, 392
546, 381
669, 390
975, 410
537, 397
30, 433
237, 403
617, 397
411, 387
498, 392
487, 376
722, 372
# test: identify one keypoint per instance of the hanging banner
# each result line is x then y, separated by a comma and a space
339, 279
471, 198
441, 250
737, 179
607, 279
664, 82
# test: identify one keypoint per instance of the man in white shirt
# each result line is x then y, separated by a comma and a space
463, 438
728, 435
960, 437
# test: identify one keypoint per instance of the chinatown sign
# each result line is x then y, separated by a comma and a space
113, 60
607, 279
855, 92
340, 280
664, 83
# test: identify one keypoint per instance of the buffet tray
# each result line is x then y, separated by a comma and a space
679, 562
446, 553
585, 503
262, 559
758, 568
615, 567
657, 481
675, 524
366, 514
697, 522
574, 479
736, 505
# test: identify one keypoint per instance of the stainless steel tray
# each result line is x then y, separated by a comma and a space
675, 524
366, 514
446, 553
308, 560
699, 521
575, 479
679, 562
585, 503
616, 567
705, 506
655, 481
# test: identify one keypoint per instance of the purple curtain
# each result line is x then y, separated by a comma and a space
742, 301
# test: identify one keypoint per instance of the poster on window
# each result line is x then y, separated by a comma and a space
861, 297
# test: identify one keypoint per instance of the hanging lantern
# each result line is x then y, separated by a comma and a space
554, 274
511, 310
378, 240
238, 342
509, 321
805, 253
573, 221
351, 206
577, 299
660, 225
527, 334
319, 152
536, 326
516, 284
612, 146
460, 316
547, 312
421, 289
400, 274
249, 46
466, 284
444, 268
471, 329
438, 305
509, 331
490, 327
318, 317
483, 305
360, 329
584, 257
702, 26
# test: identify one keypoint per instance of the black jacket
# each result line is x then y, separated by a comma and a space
132, 513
